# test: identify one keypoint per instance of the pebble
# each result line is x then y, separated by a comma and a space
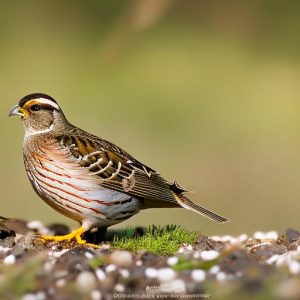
29, 297
58, 254
259, 235
242, 238
61, 282
88, 255
124, 273
61, 274
100, 274
48, 266
271, 235
209, 254
5, 249
228, 238
41, 295
151, 272
174, 286
38, 226
166, 274
173, 260
9, 260
185, 248
198, 275
294, 267
281, 260
214, 270
86, 281
139, 263
96, 295
110, 268
221, 276
35, 225
119, 288
272, 259
121, 258
216, 238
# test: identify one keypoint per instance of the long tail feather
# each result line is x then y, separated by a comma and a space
188, 204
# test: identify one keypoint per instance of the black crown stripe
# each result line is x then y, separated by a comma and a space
34, 96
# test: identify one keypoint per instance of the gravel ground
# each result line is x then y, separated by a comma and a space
264, 266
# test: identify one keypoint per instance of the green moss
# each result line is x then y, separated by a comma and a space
161, 240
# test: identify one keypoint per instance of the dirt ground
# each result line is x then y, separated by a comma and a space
265, 266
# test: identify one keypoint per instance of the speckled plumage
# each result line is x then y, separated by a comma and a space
85, 177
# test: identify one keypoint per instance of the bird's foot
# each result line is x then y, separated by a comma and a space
74, 235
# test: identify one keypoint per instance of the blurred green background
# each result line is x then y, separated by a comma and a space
205, 92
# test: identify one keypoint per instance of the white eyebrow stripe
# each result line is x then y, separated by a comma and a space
49, 102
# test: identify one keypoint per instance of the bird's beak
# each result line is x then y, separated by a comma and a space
15, 111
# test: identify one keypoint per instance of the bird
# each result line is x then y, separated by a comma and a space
87, 178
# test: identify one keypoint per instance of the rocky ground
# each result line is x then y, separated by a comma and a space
264, 266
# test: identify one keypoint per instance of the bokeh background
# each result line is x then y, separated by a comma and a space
206, 92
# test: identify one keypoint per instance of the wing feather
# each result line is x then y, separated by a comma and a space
117, 169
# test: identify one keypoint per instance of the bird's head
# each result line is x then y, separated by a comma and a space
40, 113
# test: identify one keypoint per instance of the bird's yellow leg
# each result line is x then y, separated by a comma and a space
74, 234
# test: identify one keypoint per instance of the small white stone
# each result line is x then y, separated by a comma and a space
29, 297
272, 235
35, 225
189, 248
272, 259
119, 288
61, 274
9, 260
124, 273
216, 238
259, 235
110, 268
96, 295
185, 248
41, 295
242, 238
58, 254
221, 276
174, 286
139, 263
61, 282
86, 281
151, 272
5, 249
226, 238
197, 254
100, 274
173, 260
181, 250
48, 266
294, 267
121, 258
214, 270
88, 255
166, 274
198, 275
282, 260
209, 254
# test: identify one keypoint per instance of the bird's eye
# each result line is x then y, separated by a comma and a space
35, 107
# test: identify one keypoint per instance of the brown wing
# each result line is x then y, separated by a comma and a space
118, 170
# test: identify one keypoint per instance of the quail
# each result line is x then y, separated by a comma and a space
87, 178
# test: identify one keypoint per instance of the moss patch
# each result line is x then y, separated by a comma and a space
161, 240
